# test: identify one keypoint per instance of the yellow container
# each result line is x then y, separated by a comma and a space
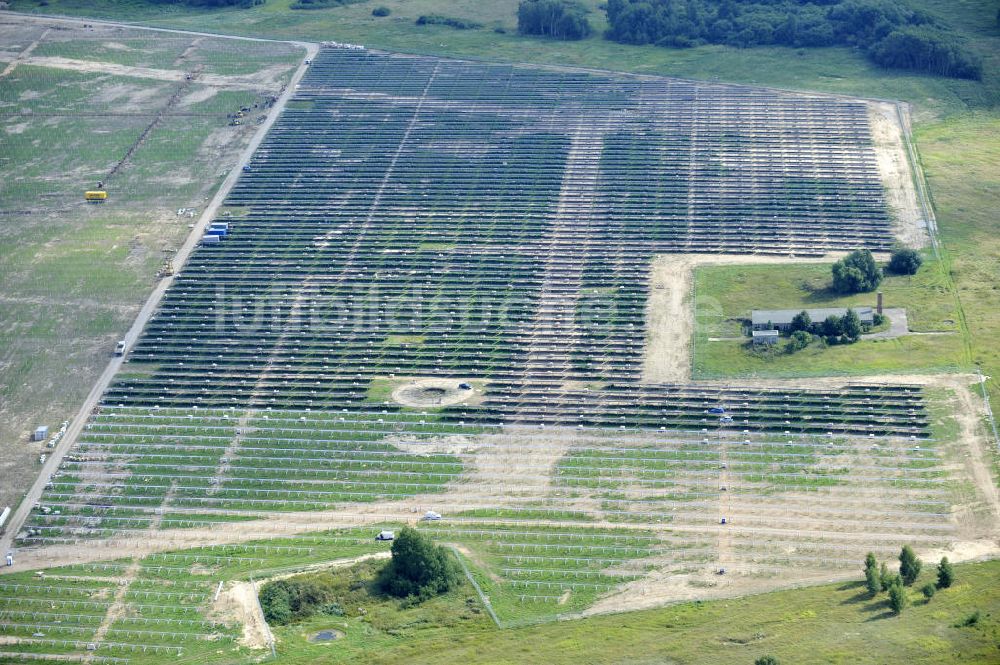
95, 196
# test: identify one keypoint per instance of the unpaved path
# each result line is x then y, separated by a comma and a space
117, 607
977, 444
93, 398
23, 55
909, 225
114, 69
670, 314
238, 601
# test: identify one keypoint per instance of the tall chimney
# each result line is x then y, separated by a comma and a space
878, 306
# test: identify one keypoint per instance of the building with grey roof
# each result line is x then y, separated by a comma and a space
781, 319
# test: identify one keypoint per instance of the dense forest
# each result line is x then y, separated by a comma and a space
889, 32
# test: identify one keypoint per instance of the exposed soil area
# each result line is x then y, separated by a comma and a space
671, 315
435, 393
897, 177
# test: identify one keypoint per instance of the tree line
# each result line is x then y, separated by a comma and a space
889, 32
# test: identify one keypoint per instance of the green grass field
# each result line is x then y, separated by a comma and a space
724, 296
74, 275
824, 624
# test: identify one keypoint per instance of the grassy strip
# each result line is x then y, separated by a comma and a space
831, 623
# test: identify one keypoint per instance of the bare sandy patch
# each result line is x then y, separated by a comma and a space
436, 392
237, 604
199, 95
446, 445
670, 312
909, 225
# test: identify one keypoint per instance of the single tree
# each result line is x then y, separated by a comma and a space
872, 581
833, 326
905, 261
851, 324
909, 565
945, 574
801, 321
897, 597
856, 273
928, 590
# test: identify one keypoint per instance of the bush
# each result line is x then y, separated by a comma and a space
285, 601
457, 23
559, 19
928, 590
322, 4
799, 340
970, 620
419, 569
766, 660
885, 577
945, 574
856, 273
904, 261
381, 11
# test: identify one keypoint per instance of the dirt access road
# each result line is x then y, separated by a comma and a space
671, 316
76, 426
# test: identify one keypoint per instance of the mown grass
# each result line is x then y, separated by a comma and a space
725, 295
960, 157
835, 623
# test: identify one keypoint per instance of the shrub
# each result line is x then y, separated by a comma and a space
322, 4
381, 11
285, 601
885, 577
945, 574
970, 620
457, 23
419, 569
928, 590
766, 660
799, 340
560, 19
856, 273
904, 261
